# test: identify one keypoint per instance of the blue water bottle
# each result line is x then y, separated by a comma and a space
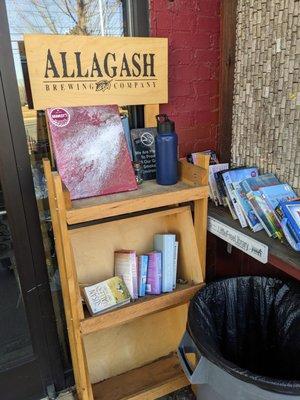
166, 143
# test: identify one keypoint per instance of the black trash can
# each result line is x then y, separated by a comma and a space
246, 334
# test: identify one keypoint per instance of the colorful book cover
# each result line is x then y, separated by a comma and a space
106, 295
253, 184
277, 193
143, 144
154, 273
235, 176
165, 243
265, 215
90, 150
142, 274
221, 187
249, 214
126, 267
291, 211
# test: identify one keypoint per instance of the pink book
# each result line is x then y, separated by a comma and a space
90, 150
153, 284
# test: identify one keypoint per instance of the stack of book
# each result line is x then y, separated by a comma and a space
257, 201
136, 276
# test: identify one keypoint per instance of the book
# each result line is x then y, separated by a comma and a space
216, 196
265, 214
249, 214
277, 193
154, 273
253, 184
232, 177
90, 150
165, 243
126, 267
221, 187
143, 145
175, 264
291, 211
142, 274
106, 295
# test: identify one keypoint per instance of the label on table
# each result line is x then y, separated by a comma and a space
245, 243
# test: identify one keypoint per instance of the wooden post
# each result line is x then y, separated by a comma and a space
150, 111
73, 304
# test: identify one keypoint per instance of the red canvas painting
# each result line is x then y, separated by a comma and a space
90, 150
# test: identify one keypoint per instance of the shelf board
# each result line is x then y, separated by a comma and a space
149, 382
139, 308
148, 195
280, 255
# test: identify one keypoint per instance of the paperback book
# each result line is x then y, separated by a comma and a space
231, 179
106, 295
90, 150
154, 273
216, 196
142, 274
126, 267
165, 243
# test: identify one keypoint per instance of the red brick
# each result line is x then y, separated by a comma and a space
180, 88
208, 24
180, 57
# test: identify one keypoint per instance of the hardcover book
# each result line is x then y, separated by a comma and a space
175, 264
154, 273
143, 145
291, 211
250, 215
90, 150
165, 243
106, 295
126, 267
142, 274
253, 184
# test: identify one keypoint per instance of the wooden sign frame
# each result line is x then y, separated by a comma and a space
69, 70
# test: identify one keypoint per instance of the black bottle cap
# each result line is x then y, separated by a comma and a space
164, 124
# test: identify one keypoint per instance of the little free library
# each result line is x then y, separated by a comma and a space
150, 210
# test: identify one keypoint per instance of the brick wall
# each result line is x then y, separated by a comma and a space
193, 29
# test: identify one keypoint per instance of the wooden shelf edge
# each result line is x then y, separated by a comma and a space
148, 382
139, 308
91, 213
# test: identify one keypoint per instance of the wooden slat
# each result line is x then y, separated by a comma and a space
200, 222
146, 383
139, 308
148, 196
150, 111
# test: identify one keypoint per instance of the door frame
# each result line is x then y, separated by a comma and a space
20, 201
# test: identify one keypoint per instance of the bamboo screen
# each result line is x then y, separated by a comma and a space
266, 112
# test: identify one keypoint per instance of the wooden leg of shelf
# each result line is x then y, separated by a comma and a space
200, 222
73, 306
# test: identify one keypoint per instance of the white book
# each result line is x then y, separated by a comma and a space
165, 243
175, 263
126, 267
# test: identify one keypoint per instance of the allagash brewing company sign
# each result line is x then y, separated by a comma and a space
66, 70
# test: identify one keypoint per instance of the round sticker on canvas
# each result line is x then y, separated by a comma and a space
147, 139
60, 117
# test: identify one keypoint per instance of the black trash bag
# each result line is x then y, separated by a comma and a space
250, 327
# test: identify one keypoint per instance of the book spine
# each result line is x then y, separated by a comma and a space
255, 202
231, 192
175, 264
134, 266
143, 266
165, 244
154, 273
124, 269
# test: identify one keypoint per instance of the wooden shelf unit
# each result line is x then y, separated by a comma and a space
123, 354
